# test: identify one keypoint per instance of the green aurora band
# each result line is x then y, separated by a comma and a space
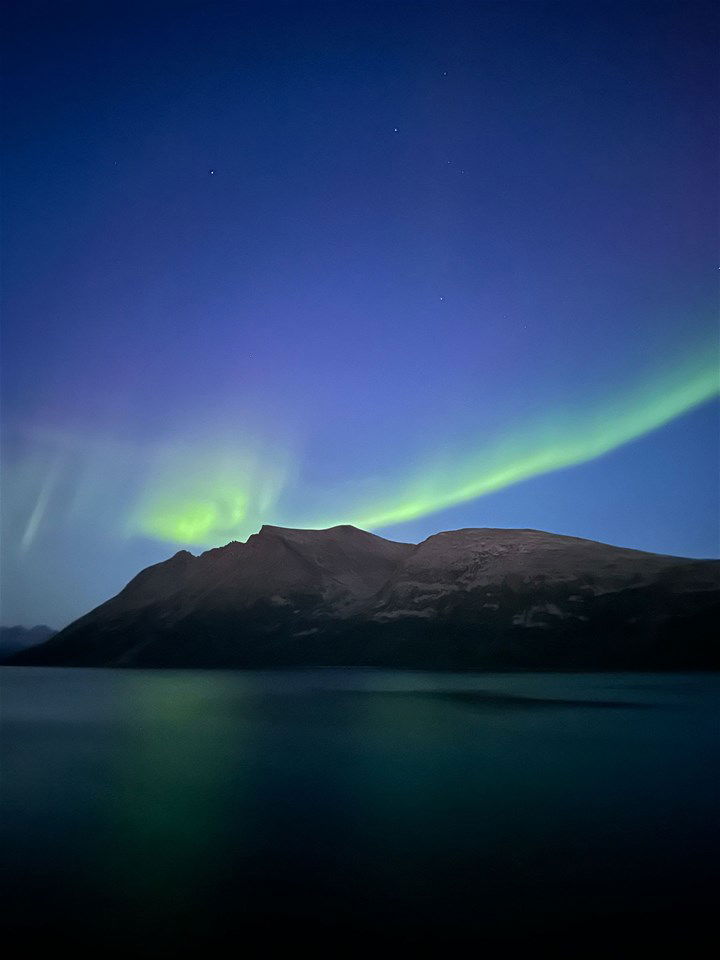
233, 509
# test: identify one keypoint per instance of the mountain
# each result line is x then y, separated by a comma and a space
464, 599
13, 639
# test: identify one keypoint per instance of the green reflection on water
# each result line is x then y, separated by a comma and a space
185, 741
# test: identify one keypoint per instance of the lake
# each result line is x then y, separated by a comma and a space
161, 812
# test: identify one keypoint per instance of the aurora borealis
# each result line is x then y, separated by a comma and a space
409, 266
232, 500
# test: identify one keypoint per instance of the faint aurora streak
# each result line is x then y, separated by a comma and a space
41, 505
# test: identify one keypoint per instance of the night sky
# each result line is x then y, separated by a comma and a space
412, 266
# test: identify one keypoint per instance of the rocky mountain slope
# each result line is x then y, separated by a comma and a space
464, 599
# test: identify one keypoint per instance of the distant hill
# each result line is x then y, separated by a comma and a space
469, 599
13, 639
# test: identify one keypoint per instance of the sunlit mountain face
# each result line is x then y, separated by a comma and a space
407, 269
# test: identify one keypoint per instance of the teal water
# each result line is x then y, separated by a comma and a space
162, 812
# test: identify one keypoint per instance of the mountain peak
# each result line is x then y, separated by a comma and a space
267, 530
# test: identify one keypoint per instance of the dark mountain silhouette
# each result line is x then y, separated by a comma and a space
13, 639
465, 600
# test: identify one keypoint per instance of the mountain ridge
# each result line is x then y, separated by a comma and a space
474, 598
16, 637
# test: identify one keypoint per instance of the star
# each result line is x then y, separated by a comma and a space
212, 173
395, 129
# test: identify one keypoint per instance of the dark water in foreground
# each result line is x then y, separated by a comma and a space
165, 811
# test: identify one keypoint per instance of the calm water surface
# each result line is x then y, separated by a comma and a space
164, 812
